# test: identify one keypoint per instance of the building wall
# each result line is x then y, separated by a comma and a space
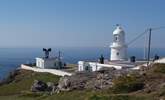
39, 63
118, 54
81, 65
94, 66
118, 46
119, 38
49, 63
162, 60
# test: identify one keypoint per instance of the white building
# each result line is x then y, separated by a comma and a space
118, 53
94, 66
118, 46
49, 63
118, 57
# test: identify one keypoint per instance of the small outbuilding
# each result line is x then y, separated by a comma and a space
49, 63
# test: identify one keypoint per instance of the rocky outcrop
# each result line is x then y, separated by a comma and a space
81, 80
39, 86
89, 80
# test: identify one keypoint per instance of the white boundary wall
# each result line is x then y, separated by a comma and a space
94, 66
161, 60
52, 71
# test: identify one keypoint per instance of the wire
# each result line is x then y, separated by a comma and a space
140, 35
67, 56
158, 28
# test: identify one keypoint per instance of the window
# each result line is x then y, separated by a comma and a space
116, 38
88, 68
117, 53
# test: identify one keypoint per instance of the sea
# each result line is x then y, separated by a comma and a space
12, 58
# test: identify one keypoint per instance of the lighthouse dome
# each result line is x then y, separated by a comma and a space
118, 30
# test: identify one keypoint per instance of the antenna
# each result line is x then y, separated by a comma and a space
145, 46
59, 55
47, 52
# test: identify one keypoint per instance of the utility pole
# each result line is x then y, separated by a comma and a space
149, 46
145, 47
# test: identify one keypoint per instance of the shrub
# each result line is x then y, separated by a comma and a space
120, 97
126, 84
96, 97
159, 68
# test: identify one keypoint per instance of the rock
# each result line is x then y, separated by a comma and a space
101, 79
39, 86
64, 84
50, 86
89, 80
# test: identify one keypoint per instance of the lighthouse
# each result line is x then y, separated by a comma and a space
118, 46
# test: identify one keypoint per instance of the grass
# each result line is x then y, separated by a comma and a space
23, 82
159, 68
122, 97
126, 84
78, 95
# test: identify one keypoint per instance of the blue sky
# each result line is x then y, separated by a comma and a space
78, 23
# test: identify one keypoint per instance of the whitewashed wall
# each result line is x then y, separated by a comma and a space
94, 66
52, 71
46, 63
162, 60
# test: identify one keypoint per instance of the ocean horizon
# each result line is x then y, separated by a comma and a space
12, 58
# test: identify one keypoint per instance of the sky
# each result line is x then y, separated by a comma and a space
78, 23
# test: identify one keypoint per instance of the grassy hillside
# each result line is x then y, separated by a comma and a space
147, 86
23, 81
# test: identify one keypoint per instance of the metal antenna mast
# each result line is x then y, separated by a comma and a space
59, 55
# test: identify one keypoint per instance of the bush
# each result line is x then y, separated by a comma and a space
120, 97
126, 84
159, 68
96, 97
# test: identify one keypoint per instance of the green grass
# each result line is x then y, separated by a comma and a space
24, 81
78, 95
126, 84
159, 68
122, 97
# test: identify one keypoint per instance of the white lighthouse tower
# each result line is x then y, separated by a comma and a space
118, 47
